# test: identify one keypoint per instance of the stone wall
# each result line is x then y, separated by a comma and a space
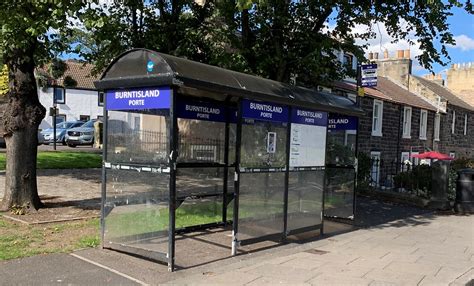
460, 80
462, 145
391, 144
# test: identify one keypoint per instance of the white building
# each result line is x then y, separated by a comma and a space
81, 102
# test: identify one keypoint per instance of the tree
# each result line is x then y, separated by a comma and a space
29, 38
276, 39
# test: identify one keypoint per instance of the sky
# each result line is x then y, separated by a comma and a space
461, 25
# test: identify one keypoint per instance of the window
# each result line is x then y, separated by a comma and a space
465, 124
405, 161
453, 124
436, 126
101, 98
59, 95
136, 123
84, 118
348, 61
377, 116
423, 123
407, 122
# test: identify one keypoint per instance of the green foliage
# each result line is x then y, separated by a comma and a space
19, 240
30, 29
4, 80
57, 68
88, 241
42, 79
364, 166
62, 160
69, 81
455, 166
417, 180
289, 41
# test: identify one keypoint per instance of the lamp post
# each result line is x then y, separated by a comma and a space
54, 125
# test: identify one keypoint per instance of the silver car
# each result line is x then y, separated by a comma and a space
61, 129
83, 135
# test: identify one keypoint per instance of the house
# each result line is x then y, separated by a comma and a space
77, 101
457, 125
398, 124
455, 115
460, 81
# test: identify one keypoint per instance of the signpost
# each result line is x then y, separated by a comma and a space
368, 75
139, 98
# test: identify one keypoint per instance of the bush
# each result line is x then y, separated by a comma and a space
416, 181
455, 166
364, 166
69, 82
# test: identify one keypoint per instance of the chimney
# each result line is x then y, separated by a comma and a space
407, 54
399, 54
385, 54
376, 55
371, 55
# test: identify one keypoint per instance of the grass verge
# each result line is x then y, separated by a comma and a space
62, 160
19, 240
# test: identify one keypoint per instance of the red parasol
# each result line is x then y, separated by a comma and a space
432, 155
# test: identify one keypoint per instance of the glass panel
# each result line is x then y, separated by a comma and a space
261, 204
199, 181
341, 147
256, 151
194, 211
135, 138
192, 183
339, 196
305, 199
136, 209
201, 141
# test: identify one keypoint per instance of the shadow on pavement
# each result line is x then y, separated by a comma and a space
375, 213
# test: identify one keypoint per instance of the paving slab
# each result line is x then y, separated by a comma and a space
57, 269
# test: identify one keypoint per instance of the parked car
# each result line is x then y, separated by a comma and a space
83, 135
61, 129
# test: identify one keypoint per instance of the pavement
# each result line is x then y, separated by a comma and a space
394, 245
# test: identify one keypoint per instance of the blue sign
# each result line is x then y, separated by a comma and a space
264, 111
139, 98
149, 66
368, 75
342, 122
308, 117
201, 110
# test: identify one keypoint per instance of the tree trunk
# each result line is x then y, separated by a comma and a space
21, 120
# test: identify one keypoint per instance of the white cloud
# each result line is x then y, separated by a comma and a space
383, 41
463, 42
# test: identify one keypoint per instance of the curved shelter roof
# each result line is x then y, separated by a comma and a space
130, 70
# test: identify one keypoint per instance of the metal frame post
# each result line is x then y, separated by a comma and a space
226, 167
172, 185
324, 174
104, 174
54, 123
235, 221
356, 169
287, 175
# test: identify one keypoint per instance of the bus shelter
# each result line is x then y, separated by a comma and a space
190, 146
341, 167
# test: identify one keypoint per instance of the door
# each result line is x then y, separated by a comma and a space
375, 170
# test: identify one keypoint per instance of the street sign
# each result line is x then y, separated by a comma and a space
368, 75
